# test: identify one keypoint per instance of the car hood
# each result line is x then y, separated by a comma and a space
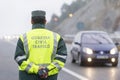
99, 47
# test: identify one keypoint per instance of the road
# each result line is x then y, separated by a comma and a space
95, 72
8, 67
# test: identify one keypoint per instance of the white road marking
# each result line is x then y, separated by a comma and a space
74, 74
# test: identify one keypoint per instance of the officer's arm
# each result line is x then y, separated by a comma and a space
21, 58
60, 58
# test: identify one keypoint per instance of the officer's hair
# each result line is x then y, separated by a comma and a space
39, 19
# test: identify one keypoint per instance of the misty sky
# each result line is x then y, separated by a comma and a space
15, 14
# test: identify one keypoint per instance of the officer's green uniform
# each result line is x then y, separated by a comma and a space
40, 47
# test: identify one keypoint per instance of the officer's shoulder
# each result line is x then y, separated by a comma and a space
24, 34
57, 34
54, 32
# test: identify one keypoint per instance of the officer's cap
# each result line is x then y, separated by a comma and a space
38, 13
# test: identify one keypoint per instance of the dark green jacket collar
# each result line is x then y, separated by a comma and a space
35, 26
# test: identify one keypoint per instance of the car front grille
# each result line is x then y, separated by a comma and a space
101, 52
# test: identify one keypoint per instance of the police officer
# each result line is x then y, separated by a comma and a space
40, 53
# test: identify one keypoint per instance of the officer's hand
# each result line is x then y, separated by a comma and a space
43, 72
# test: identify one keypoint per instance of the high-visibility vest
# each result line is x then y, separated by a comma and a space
40, 46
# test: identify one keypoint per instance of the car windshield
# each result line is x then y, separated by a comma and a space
96, 38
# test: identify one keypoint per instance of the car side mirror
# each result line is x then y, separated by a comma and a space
117, 44
77, 43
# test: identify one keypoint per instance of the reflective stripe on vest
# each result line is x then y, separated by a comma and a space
57, 65
28, 67
54, 47
25, 43
61, 56
19, 58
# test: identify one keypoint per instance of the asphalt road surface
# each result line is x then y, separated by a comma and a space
8, 67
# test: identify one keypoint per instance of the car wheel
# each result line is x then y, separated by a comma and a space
115, 64
73, 60
80, 61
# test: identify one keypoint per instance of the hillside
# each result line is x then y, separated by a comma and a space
96, 15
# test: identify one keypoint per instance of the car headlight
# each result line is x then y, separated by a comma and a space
113, 51
88, 50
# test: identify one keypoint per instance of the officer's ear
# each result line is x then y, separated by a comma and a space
45, 21
32, 21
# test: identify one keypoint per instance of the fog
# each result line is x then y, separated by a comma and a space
15, 14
